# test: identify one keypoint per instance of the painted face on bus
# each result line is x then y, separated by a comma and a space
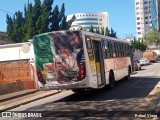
65, 52
76, 41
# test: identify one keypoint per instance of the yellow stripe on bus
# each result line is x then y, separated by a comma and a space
98, 67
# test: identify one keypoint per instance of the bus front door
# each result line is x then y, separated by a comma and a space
99, 62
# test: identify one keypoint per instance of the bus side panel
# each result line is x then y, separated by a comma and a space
119, 67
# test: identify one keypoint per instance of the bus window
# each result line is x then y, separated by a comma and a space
110, 49
115, 46
107, 50
113, 50
119, 52
88, 43
89, 48
104, 49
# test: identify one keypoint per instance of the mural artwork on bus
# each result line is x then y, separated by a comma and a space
59, 57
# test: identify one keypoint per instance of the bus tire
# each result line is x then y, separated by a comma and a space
129, 73
111, 80
78, 90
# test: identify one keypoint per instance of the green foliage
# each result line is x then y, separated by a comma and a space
152, 38
91, 29
112, 34
139, 45
107, 32
37, 18
97, 31
69, 23
103, 31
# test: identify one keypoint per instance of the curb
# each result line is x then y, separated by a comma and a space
153, 98
27, 100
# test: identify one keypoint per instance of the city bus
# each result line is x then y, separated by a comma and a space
80, 60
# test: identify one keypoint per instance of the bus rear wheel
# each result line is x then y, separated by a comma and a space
129, 73
111, 80
79, 90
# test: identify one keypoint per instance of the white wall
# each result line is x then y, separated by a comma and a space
14, 52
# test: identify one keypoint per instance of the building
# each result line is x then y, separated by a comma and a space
154, 14
88, 19
146, 16
4, 39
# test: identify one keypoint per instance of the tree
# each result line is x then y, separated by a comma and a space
102, 31
35, 15
91, 29
43, 20
97, 31
113, 34
27, 28
9, 22
152, 38
54, 20
139, 45
107, 32
15, 27
69, 23
63, 24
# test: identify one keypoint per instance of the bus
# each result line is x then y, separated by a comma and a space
80, 60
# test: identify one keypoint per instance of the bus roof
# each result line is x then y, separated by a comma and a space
89, 33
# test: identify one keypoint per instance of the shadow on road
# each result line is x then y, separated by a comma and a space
128, 95
136, 87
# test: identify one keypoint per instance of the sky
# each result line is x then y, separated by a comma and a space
121, 13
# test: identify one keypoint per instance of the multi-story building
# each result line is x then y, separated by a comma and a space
146, 16
88, 19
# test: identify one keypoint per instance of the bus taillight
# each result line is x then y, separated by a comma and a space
82, 71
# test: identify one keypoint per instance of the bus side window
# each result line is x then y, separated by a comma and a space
104, 49
125, 52
119, 50
116, 51
110, 49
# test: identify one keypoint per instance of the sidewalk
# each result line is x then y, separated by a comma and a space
16, 99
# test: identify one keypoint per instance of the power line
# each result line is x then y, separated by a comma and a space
6, 11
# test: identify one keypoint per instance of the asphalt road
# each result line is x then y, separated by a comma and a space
128, 95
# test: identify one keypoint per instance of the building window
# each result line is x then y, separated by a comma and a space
138, 23
146, 12
145, 2
145, 8
146, 17
138, 28
139, 33
138, 18
137, 3
137, 8
137, 13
